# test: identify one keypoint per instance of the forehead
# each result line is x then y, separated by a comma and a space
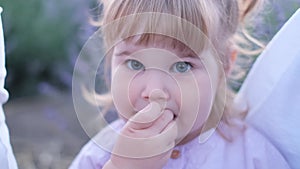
136, 43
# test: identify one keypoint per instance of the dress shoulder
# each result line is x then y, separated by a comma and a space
97, 151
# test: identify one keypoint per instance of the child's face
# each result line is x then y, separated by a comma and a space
177, 78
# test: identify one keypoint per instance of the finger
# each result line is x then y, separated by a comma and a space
161, 123
171, 132
154, 128
147, 147
158, 96
145, 118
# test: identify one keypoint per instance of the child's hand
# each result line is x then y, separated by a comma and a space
146, 140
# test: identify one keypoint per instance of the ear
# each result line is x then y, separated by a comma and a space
233, 56
232, 59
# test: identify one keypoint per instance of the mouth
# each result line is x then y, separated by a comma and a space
175, 117
175, 114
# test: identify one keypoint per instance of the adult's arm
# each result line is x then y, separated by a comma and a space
7, 159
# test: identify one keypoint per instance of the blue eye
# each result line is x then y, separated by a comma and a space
181, 67
135, 65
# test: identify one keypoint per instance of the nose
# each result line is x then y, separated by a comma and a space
157, 85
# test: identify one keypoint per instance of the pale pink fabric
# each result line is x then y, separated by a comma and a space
249, 151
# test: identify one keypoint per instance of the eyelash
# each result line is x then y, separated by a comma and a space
130, 66
188, 68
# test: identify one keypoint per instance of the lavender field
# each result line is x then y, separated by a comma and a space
45, 132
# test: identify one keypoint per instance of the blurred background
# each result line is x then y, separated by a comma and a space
43, 40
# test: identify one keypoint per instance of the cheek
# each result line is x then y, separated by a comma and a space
206, 95
196, 103
206, 101
121, 78
134, 94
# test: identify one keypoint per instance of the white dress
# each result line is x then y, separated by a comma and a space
271, 92
7, 159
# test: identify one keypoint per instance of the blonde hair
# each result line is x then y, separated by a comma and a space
219, 21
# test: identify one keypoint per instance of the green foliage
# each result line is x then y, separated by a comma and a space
44, 37
263, 28
40, 38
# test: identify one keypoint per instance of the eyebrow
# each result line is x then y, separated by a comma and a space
122, 53
189, 54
